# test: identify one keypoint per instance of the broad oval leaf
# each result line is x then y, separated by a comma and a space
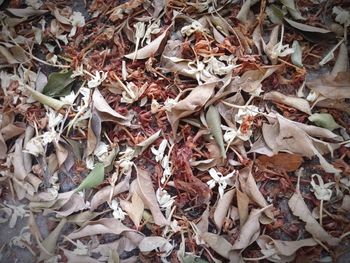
59, 84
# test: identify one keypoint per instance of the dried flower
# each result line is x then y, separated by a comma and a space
118, 213
219, 179
96, 79
77, 20
159, 154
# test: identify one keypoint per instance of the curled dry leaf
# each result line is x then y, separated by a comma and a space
151, 49
295, 102
105, 111
192, 103
243, 210
146, 192
222, 208
300, 209
249, 187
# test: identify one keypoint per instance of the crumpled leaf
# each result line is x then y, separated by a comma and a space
282, 251
298, 103
142, 146
59, 84
94, 178
192, 103
149, 50
72, 257
214, 124
300, 209
146, 192
324, 120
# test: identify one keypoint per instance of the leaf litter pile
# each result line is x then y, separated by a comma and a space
176, 131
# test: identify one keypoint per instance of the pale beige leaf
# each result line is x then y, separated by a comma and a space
105, 111
300, 209
146, 192
102, 226
192, 103
249, 187
222, 208
103, 194
295, 102
151, 49
250, 230
149, 244
72, 257
242, 204
134, 209
218, 243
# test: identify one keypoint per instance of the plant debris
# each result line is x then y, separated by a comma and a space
175, 131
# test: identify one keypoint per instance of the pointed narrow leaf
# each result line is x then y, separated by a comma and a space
94, 178
214, 124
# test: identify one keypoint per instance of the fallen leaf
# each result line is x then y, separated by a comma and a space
146, 192
295, 102
222, 208
59, 84
332, 87
101, 226
49, 243
286, 161
324, 120
214, 124
218, 243
46, 100
106, 113
305, 27
192, 103
133, 209
94, 178
26, 12
282, 251
151, 49
300, 209
242, 204
249, 187
103, 194
149, 244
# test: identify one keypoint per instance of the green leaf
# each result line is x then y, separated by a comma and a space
324, 120
94, 178
193, 259
59, 84
214, 123
297, 55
